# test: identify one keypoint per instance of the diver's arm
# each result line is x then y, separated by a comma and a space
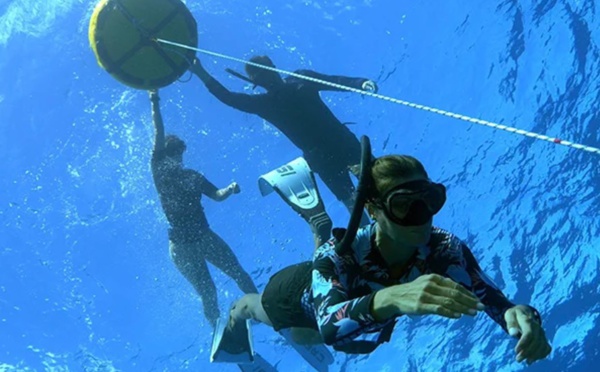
201, 185
340, 320
496, 303
209, 189
159, 128
352, 82
240, 101
226, 192
522, 322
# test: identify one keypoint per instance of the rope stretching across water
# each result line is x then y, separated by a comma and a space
397, 101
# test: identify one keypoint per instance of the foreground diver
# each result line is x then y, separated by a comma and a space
361, 282
191, 240
295, 107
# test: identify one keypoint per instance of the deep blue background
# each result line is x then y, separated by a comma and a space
86, 283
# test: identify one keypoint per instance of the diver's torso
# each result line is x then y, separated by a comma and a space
300, 114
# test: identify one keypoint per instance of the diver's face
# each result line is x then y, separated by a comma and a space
175, 150
406, 235
403, 235
177, 158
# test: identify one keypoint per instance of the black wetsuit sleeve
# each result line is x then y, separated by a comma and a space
351, 82
253, 104
340, 318
198, 184
484, 288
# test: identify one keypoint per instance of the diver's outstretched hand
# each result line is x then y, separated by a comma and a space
429, 294
521, 323
153, 95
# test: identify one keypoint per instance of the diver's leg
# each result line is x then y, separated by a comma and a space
339, 182
193, 267
218, 252
320, 225
234, 338
349, 203
280, 304
249, 307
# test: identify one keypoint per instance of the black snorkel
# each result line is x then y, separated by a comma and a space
240, 76
365, 184
363, 192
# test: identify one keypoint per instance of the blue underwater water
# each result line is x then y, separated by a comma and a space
86, 282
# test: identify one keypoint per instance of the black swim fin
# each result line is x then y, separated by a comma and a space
232, 345
260, 364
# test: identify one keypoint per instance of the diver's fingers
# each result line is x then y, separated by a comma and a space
462, 298
441, 310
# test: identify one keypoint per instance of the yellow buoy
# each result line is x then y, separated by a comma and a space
122, 34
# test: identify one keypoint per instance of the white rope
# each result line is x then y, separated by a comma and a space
398, 101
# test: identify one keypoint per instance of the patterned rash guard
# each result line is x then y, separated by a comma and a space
344, 284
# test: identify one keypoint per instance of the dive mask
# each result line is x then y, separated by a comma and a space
413, 203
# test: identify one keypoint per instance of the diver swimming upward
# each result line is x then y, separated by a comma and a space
191, 240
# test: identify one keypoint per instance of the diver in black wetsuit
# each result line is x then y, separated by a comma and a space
295, 107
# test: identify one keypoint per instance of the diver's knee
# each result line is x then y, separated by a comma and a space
244, 307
